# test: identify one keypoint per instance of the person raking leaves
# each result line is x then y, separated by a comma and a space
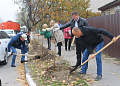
91, 38
18, 42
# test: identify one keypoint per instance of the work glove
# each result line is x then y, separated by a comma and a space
26, 54
9, 53
29, 45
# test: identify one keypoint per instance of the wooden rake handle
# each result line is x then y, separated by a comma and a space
73, 40
22, 54
102, 49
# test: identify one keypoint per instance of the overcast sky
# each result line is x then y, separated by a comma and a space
8, 10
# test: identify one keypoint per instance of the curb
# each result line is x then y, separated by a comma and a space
28, 77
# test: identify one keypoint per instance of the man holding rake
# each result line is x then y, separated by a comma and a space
92, 37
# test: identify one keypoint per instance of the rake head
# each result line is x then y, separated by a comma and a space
74, 69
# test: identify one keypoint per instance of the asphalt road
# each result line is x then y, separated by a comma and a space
9, 74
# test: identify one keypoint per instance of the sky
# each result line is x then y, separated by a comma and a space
8, 10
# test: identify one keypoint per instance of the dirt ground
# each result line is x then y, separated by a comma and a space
47, 69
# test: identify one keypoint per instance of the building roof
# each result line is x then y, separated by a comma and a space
110, 5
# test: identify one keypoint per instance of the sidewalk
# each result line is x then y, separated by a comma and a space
111, 68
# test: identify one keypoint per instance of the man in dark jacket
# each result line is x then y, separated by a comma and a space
76, 21
92, 37
18, 42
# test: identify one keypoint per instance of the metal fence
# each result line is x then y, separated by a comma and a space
110, 23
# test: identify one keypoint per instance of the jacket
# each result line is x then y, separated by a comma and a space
46, 33
81, 22
16, 42
93, 36
67, 35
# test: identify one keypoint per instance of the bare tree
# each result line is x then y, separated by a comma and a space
29, 10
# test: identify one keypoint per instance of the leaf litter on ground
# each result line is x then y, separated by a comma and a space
46, 73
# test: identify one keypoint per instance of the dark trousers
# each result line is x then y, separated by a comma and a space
49, 42
79, 48
59, 48
69, 44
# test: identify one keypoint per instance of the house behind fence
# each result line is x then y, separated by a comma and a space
110, 23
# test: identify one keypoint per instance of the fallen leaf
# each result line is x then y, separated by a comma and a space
77, 79
6, 82
36, 71
75, 82
81, 84
89, 80
63, 81
17, 79
72, 82
89, 74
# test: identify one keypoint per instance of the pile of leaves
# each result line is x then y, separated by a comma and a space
47, 71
